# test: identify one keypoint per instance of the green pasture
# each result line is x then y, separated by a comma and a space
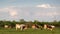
29, 31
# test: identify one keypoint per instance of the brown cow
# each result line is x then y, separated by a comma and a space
34, 26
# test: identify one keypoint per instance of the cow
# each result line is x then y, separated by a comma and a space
7, 26
34, 26
50, 27
45, 26
21, 26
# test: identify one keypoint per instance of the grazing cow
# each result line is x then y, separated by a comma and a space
45, 26
34, 26
7, 26
21, 26
50, 27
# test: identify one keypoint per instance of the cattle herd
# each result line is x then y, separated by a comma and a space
34, 26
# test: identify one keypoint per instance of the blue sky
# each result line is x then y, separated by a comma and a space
42, 10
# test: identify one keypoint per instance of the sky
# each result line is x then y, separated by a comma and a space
30, 10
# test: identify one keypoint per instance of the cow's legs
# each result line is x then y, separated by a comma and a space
21, 28
16, 28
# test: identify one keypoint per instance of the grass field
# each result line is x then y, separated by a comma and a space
29, 31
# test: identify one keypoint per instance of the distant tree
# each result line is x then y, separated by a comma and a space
36, 21
1, 24
29, 23
13, 23
22, 21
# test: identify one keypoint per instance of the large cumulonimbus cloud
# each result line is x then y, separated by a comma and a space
29, 12
13, 11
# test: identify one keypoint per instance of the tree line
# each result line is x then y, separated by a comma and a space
22, 21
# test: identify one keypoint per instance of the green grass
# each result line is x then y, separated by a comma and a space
29, 31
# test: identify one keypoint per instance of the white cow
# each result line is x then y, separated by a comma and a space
45, 26
20, 26
6, 26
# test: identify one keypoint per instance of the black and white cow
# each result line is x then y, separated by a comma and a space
21, 26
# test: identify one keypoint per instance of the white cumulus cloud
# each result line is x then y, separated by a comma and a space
45, 6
